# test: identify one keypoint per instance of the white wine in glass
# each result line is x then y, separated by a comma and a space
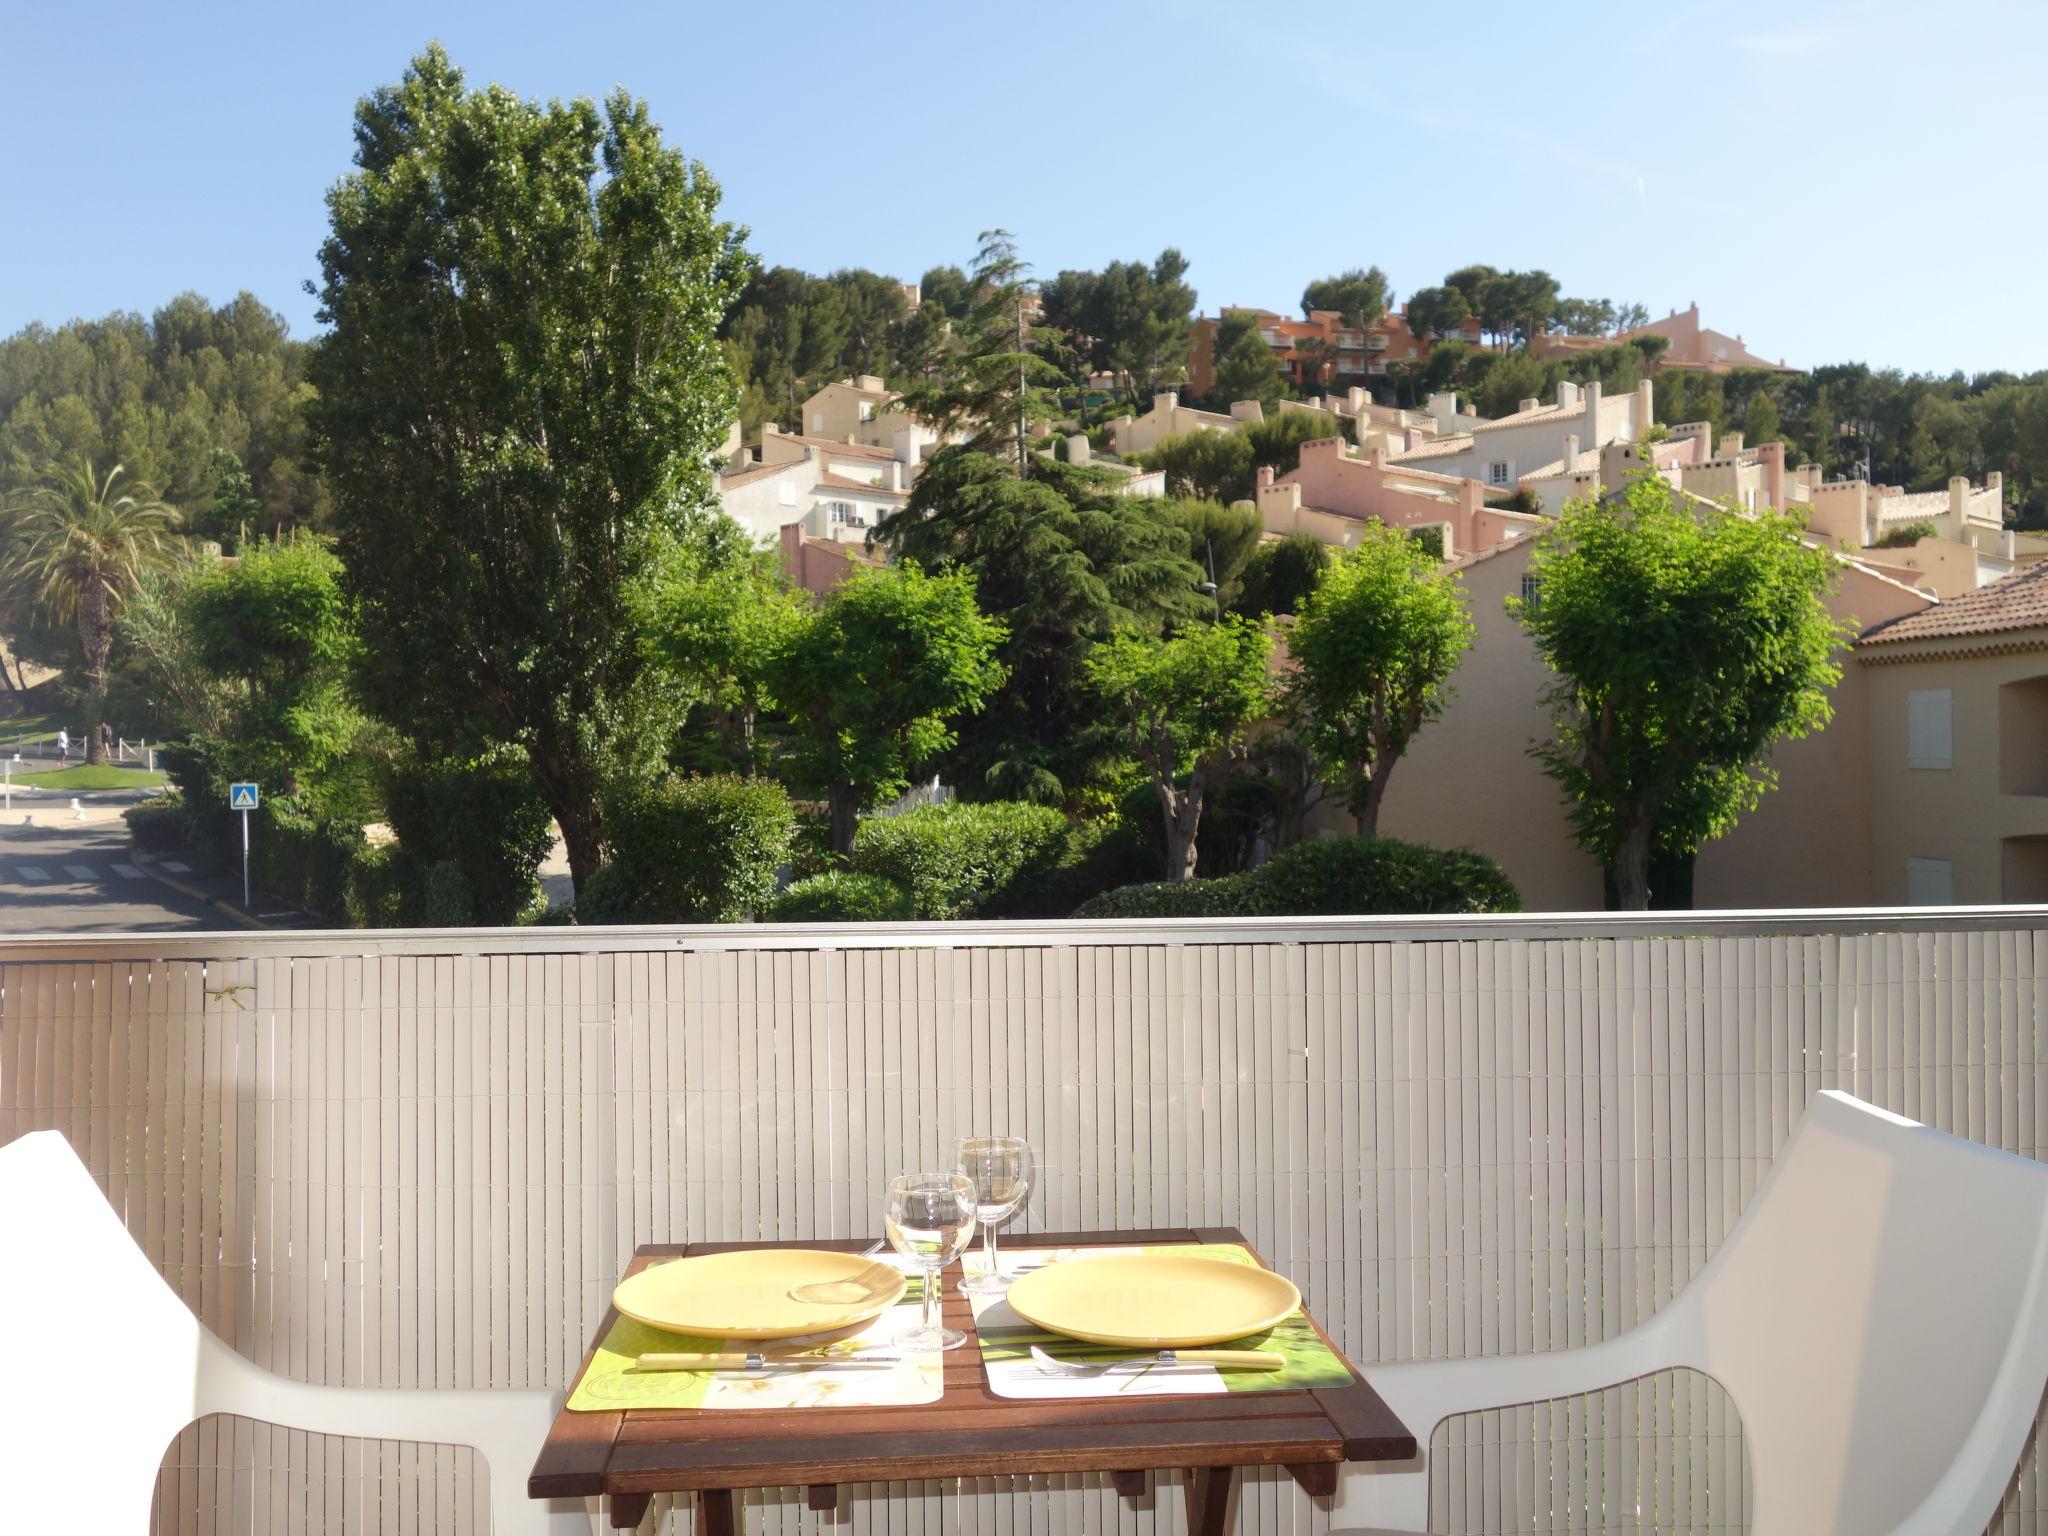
929, 1219
1000, 1168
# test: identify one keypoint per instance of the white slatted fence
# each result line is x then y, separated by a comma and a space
421, 1159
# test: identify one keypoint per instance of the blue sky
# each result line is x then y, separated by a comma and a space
1834, 182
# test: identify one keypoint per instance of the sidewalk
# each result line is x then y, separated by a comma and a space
222, 892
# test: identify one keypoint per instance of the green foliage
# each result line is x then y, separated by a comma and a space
1220, 539
1686, 646
1130, 319
691, 851
541, 285
157, 683
164, 395
472, 834
873, 679
275, 624
989, 387
1247, 370
790, 333
1060, 559
1183, 708
1224, 896
1430, 540
233, 512
320, 864
959, 860
1374, 647
1906, 536
1336, 876
1204, 466
716, 615
1435, 312
1359, 295
76, 543
1328, 877
159, 825
842, 896
1760, 419
1280, 573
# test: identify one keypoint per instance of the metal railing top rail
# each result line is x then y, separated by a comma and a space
1036, 933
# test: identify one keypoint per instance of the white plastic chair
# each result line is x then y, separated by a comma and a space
85, 1435
1879, 1315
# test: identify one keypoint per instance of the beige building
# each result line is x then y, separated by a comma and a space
860, 410
1133, 435
1690, 345
1337, 492
836, 491
1469, 782
1499, 453
1958, 698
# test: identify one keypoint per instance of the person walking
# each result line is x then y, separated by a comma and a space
106, 742
63, 746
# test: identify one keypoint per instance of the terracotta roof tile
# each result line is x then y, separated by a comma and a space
848, 483
2017, 601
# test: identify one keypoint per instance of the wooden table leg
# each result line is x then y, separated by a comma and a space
717, 1513
1208, 1496
1131, 1485
629, 1509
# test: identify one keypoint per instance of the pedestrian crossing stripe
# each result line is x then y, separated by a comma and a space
30, 872
176, 868
127, 871
79, 872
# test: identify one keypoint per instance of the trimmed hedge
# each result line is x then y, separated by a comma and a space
961, 859
1328, 877
690, 851
322, 865
472, 834
160, 825
842, 896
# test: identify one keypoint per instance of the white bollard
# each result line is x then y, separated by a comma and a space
77, 811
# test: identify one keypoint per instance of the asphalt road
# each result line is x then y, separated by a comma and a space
79, 877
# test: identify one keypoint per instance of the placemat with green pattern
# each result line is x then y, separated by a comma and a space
613, 1383
1006, 1340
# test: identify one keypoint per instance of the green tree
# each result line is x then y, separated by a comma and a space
75, 547
1374, 647
518, 401
1437, 311
1685, 647
1204, 465
1131, 319
992, 387
1358, 294
1760, 419
1184, 708
1585, 317
1061, 559
717, 616
156, 682
1247, 370
874, 679
234, 509
1318, 364
275, 622
1220, 540
1280, 573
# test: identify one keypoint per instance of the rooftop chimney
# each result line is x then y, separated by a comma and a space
1078, 451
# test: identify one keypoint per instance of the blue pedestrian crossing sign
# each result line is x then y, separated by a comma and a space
242, 797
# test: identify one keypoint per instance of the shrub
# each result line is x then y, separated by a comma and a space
842, 896
1225, 896
471, 836
1328, 877
1342, 876
160, 825
957, 859
1092, 857
690, 851
1906, 536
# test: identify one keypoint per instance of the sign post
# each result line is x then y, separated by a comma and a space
244, 798
12, 759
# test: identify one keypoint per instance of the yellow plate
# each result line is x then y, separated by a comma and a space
1153, 1300
760, 1293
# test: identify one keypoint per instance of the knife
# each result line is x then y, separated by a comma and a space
1225, 1359
739, 1362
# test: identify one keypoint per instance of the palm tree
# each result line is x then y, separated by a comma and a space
76, 547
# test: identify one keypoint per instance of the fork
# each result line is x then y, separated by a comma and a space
1227, 1359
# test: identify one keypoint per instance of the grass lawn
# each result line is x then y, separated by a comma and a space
23, 729
86, 777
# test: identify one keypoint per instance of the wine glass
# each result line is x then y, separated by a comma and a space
930, 1218
1000, 1167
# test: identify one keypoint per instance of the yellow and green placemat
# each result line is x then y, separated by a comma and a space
1006, 1340
612, 1383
